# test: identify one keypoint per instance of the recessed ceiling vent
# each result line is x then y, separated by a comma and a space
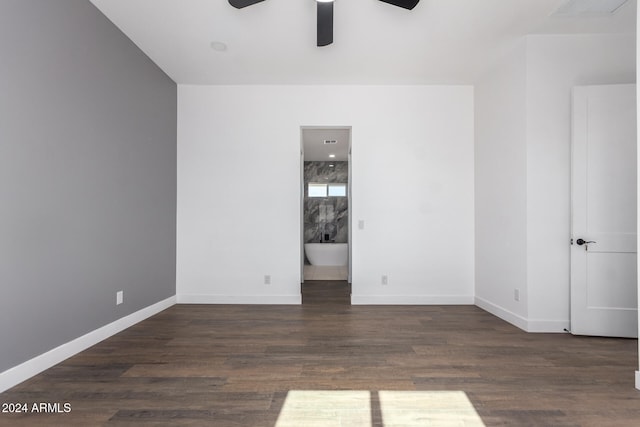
330, 141
588, 7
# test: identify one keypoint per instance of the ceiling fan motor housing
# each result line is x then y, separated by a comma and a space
325, 23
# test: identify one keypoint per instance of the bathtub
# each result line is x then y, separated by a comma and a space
327, 253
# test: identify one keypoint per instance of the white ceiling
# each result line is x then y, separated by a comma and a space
273, 42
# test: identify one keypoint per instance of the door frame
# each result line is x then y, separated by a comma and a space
349, 194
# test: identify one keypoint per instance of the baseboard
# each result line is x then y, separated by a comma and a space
502, 313
240, 299
411, 300
528, 325
14, 376
547, 326
638, 380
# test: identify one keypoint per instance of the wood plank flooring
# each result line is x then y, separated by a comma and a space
326, 292
335, 364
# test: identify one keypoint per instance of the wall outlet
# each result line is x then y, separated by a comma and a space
267, 279
516, 294
119, 297
385, 279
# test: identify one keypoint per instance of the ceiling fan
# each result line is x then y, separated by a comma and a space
325, 15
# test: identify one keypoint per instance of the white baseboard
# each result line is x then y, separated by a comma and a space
502, 313
240, 299
528, 325
411, 300
638, 380
547, 326
14, 376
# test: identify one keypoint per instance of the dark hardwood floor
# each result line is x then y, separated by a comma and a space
326, 292
335, 364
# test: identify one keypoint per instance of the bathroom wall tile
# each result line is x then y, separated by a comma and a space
326, 215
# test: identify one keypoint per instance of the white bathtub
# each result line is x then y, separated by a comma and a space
327, 253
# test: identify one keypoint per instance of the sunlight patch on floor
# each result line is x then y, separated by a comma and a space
428, 408
325, 408
312, 408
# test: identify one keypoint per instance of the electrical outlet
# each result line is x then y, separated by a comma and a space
119, 297
516, 294
385, 279
267, 279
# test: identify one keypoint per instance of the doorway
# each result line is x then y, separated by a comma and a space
325, 213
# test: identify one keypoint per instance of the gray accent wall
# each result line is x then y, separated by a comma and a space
87, 176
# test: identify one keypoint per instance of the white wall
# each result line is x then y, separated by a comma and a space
553, 64
239, 190
500, 198
638, 199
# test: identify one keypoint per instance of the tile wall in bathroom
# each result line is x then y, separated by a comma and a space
325, 215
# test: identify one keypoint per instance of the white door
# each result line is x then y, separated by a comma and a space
603, 251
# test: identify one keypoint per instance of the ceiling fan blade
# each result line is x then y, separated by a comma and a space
239, 4
407, 4
325, 23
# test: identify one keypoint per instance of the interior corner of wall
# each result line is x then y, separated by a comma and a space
502, 313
